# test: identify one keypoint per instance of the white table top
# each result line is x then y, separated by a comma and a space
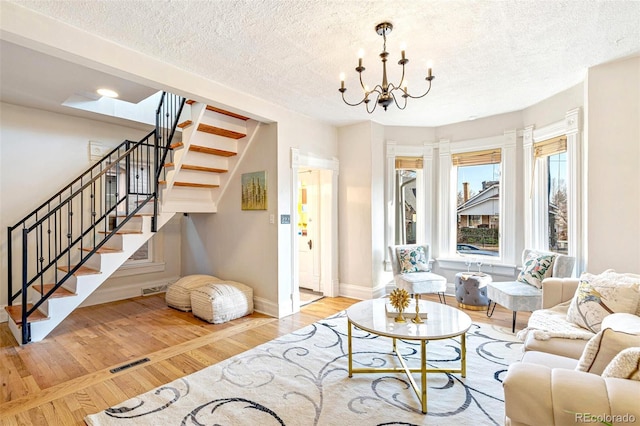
443, 321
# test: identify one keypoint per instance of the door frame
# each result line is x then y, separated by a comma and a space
328, 235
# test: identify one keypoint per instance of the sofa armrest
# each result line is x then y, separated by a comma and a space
558, 290
536, 394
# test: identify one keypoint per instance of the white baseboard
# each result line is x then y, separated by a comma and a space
112, 294
356, 291
266, 307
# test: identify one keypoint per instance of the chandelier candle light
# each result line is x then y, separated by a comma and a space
383, 94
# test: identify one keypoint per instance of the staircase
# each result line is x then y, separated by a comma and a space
213, 142
73, 242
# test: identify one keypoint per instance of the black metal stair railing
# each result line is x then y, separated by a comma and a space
63, 233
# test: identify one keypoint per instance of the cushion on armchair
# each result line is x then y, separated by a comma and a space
536, 267
412, 260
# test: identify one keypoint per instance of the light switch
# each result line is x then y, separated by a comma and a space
272, 219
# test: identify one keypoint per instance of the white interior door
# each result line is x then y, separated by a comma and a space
309, 229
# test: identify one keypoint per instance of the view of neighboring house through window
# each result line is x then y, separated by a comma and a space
551, 161
407, 180
478, 202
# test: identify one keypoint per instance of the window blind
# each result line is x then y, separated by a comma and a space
475, 158
412, 163
550, 147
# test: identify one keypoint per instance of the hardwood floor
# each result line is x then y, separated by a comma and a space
67, 376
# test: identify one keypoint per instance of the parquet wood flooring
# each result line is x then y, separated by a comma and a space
67, 376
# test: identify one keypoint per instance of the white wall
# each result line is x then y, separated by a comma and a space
410, 135
553, 109
236, 244
613, 165
41, 152
481, 128
380, 278
355, 210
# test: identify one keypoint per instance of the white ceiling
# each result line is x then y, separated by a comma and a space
489, 57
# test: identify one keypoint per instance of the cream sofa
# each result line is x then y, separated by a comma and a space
545, 388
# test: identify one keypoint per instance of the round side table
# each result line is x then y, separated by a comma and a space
471, 290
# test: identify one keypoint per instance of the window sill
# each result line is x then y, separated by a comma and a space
139, 268
489, 266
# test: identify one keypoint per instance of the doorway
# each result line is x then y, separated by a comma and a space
308, 229
320, 244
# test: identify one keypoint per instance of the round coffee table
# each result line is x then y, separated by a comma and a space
443, 322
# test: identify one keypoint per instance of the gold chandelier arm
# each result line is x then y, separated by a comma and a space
396, 101
375, 102
421, 96
361, 82
350, 104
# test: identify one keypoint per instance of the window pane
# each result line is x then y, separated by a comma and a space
142, 254
406, 206
478, 210
557, 202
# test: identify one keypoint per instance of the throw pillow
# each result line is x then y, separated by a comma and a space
603, 347
536, 268
412, 259
625, 365
600, 295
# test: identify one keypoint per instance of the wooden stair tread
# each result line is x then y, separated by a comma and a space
60, 292
222, 111
122, 232
15, 312
185, 124
206, 150
190, 184
227, 113
83, 270
197, 168
133, 215
207, 128
103, 250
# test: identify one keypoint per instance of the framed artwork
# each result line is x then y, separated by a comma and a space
254, 191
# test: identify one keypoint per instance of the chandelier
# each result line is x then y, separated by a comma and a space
386, 92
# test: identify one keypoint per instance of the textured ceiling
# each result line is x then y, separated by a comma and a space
489, 57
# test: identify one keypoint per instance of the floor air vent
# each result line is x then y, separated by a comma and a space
154, 290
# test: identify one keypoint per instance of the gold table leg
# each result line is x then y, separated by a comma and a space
463, 356
349, 344
423, 360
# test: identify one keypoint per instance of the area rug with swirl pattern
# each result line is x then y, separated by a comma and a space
302, 379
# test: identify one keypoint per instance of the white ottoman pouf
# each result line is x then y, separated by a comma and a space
222, 301
178, 294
